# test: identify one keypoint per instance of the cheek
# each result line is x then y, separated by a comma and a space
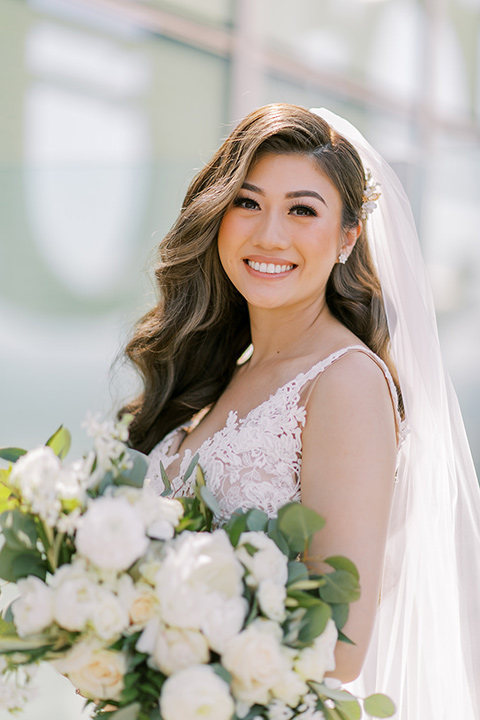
227, 233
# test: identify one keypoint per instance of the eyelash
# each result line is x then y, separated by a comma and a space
241, 202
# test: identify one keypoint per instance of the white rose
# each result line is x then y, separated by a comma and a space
291, 689
139, 601
109, 618
111, 534
314, 661
33, 610
271, 597
196, 693
93, 670
257, 662
197, 568
268, 563
224, 621
178, 649
74, 601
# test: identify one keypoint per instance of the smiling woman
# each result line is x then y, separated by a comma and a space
273, 249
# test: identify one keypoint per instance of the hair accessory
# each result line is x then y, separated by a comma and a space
343, 257
370, 195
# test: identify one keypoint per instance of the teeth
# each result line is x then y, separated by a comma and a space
270, 269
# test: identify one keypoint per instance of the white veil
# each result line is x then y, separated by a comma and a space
425, 652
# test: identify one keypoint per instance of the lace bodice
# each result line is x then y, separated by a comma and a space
253, 461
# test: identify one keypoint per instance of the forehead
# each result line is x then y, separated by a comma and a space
277, 173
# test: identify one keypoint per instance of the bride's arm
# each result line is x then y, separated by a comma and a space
348, 464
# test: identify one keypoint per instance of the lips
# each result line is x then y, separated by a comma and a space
269, 268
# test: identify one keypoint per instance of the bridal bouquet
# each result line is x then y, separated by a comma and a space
151, 611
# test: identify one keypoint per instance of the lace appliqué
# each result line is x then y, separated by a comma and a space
253, 461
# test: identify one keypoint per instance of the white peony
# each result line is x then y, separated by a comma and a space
109, 618
267, 563
74, 601
271, 597
177, 649
33, 610
160, 515
224, 621
314, 661
196, 693
257, 661
196, 569
94, 671
111, 534
148, 638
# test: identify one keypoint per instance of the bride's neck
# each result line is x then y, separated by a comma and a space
279, 335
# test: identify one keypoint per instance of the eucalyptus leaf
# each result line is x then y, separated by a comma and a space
275, 534
210, 500
350, 710
107, 480
314, 622
19, 530
340, 613
191, 467
299, 524
222, 672
257, 520
333, 694
11, 454
135, 476
297, 571
166, 481
304, 599
339, 562
236, 526
379, 705
130, 712
154, 714
340, 587
60, 442
31, 563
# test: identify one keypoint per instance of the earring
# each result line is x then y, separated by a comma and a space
343, 257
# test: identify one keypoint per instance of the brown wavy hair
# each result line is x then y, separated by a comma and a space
186, 348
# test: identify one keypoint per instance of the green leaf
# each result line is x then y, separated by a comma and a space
191, 468
279, 538
60, 442
9, 640
304, 599
166, 481
236, 526
314, 622
19, 530
299, 524
222, 672
135, 476
297, 571
350, 710
257, 520
340, 587
338, 562
333, 694
107, 480
130, 712
17, 564
154, 714
379, 705
210, 500
339, 614
11, 454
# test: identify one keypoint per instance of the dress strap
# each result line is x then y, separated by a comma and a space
316, 371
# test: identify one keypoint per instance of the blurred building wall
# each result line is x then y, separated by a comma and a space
109, 106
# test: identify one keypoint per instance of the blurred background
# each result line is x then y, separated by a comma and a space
107, 109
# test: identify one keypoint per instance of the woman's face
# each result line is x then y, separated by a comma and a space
281, 237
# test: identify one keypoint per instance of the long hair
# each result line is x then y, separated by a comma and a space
186, 348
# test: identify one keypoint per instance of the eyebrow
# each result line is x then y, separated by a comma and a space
292, 194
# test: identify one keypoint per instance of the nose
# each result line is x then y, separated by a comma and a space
271, 233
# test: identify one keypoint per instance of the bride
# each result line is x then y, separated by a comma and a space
294, 349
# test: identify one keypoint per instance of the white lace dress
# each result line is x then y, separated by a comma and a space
253, 461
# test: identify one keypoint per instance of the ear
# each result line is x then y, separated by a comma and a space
349, 238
